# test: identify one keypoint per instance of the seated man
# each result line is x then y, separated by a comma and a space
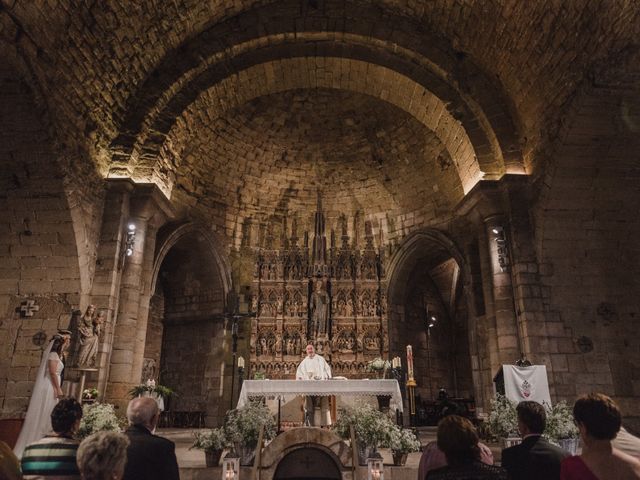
55, 455
149, 457
315, 367
535, 457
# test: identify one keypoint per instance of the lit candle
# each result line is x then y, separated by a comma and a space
410, 362
240, 362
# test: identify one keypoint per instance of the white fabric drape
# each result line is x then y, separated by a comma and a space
37, 422
526, 383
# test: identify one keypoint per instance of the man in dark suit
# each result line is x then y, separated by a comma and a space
535, 458
149, 457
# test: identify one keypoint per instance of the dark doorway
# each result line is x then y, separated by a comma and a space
309, 464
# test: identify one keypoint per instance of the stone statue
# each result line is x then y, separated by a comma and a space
319, 308
89, 328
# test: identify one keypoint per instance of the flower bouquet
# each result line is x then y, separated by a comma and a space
503, 419
89, 395
560, 428
213, 442
97, 417
242, 427
401, 442
371, 427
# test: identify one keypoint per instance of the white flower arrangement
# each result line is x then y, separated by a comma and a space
97, 417
560, 422
371, 426
242, 426
402, 440
215, 439
503, 419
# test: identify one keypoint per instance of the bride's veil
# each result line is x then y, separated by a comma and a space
31, 429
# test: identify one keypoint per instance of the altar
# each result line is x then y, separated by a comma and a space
286, 390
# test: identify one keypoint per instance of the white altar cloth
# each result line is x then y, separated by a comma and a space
286, 389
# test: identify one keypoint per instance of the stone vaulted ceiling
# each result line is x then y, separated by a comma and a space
249, 107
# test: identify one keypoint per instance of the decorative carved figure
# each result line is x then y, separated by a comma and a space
89, 329
319, 307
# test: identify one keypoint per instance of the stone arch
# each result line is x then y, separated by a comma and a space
325, 441
426, 280
175, 235
203, 61
295, 465
336, 73
185, 331
399, 264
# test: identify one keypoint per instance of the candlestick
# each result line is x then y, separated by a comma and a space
410, 363
240, 362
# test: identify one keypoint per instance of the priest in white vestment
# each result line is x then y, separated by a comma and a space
316, 409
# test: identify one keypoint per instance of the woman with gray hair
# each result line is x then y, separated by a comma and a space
103, 456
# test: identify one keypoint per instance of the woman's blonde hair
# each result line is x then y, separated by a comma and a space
102, 455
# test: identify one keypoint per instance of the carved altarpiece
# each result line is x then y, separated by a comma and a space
352, 278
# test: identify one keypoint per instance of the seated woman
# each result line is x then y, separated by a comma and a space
103, 456
458, 439
598, 419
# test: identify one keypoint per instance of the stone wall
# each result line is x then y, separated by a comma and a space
587, 232
38, 254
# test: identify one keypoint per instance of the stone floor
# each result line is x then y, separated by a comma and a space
192, 463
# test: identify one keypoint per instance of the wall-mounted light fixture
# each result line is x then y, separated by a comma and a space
130, 239
502, 250
431, 318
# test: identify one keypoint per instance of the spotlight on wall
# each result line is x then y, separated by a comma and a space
130, 239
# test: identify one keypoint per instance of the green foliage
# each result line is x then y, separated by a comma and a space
242, 425
161, 390
371, 426
215, 439
503, 419
90, 393
97, 417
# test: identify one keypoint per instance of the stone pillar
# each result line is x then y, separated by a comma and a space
497, 242
106, 285
148, 210
121, 376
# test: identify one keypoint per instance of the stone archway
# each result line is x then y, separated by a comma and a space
307, 463
427, 275
330, 454
185, 336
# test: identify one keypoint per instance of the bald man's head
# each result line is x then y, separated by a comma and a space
143, 411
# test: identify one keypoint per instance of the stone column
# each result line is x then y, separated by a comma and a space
106, 285
148, 210
497, 241
125, 334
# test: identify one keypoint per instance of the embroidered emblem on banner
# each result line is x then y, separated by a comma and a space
525, 389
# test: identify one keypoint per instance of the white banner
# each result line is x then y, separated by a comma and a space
526, 383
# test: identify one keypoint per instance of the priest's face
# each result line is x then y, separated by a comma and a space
310, 351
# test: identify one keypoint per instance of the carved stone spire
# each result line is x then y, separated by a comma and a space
319, 238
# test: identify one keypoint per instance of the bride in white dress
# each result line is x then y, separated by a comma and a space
45, 394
